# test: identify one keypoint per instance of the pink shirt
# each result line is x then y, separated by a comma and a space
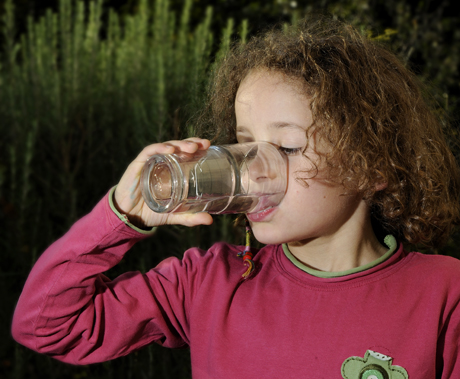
401, 314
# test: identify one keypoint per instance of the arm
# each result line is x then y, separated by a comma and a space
70, 310
448, 357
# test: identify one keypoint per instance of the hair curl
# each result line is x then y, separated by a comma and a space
372, 111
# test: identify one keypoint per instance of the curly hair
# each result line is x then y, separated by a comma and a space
371, 110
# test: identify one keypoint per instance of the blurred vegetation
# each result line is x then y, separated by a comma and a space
84, 85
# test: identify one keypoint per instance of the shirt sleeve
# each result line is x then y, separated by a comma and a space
70, 310
451, 355
124, 218
449, 337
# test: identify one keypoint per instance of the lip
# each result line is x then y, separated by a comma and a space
260, 216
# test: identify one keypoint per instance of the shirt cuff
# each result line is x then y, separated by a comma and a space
124, 218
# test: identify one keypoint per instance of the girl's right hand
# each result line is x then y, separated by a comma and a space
128, 196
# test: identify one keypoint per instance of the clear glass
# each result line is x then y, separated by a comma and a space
240, 178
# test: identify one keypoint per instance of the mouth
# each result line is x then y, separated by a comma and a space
261, 215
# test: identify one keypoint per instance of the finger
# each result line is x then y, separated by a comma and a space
190, 219
202, 143
189, 145
156, 148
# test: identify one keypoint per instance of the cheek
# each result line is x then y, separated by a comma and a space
301, 169
317, 197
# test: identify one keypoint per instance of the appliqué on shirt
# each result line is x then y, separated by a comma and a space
372, 366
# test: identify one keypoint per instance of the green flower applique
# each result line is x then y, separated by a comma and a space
372, 366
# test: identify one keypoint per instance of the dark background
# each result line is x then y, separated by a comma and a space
63, 184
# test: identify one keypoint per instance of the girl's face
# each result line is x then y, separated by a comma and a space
271, 108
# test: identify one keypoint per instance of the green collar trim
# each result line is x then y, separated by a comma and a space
390, 241
124, 218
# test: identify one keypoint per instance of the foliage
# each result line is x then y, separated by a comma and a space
83, 88
80, 96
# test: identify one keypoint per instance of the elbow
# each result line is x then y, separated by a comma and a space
22, 329
47, 336
24, 332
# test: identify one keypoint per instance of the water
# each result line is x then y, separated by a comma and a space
234, 204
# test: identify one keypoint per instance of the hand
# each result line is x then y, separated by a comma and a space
128, 196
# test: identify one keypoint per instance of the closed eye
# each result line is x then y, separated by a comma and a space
290, 151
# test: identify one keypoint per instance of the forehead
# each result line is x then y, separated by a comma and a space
269, 99
264, 81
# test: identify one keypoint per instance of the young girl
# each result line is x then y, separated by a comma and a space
329, 296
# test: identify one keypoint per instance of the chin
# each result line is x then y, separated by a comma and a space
267, 238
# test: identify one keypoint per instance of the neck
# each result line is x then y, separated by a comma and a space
353, 245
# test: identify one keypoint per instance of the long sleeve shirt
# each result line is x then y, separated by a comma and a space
399, 315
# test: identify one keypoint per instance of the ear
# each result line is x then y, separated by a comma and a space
381, 181
380, 186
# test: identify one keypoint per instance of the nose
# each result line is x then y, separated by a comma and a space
264, 170
260, 169
261, 164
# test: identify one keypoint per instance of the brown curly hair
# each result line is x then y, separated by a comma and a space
372, 111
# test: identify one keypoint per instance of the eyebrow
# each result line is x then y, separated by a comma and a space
281, 125
274, 125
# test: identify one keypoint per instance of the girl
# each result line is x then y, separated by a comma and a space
330, 296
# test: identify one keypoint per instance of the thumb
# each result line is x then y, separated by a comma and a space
191, 219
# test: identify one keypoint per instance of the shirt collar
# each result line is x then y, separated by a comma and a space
389, 240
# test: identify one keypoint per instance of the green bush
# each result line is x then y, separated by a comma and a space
84, 90
81, 93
